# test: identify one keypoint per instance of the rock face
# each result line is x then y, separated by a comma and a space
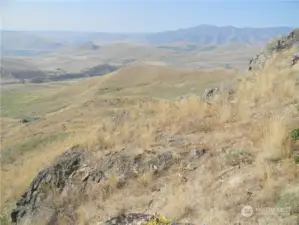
281, 44
77, 168
54, 176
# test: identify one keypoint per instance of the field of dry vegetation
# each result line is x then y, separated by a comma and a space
250, 138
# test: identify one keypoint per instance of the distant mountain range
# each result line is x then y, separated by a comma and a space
37, 42
213, 35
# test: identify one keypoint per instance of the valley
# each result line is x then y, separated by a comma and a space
42, 55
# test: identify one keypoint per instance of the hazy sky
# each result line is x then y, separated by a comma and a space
144, 15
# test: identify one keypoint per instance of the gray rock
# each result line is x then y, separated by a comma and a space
130, 219
29, 119
210, 92
284, 43
197, 153
73, 171
295, 59
53, 177
137, 219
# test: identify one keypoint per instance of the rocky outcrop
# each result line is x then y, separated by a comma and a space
140, 219
78, 169
280, 44
209, 93
55, 176
130, 219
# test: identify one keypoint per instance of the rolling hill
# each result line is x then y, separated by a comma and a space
86, 56
23, 43
28, 42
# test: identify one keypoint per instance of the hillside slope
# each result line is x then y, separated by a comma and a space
231, 160
83, 57
24, 43
278, 45
20, 70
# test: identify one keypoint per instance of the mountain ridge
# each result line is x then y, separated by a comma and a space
201, 34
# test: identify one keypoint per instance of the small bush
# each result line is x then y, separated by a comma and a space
5, 219
289, 201
234, 157
146, 179
159, 221
295, 134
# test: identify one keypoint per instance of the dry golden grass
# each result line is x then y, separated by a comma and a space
250, 154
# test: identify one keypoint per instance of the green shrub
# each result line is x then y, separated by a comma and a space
158, 221
295, 134
289, 201
5, 219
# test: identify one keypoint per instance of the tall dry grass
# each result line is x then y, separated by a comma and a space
252, 127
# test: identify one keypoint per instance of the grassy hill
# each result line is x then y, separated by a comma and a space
247, 139
16, 70
44, 55
76, 60
22, 43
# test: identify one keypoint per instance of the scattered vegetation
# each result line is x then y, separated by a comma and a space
159, 221
289, 200
234, 157
9, 154
251, 130
146, 179
295, 134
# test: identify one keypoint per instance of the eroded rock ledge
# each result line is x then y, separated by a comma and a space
76, 169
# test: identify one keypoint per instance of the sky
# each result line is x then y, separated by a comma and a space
144, 15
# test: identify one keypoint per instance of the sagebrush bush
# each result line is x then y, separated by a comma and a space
159, 221
295, 134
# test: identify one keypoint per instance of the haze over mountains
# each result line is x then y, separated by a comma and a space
200, 35
36, 55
